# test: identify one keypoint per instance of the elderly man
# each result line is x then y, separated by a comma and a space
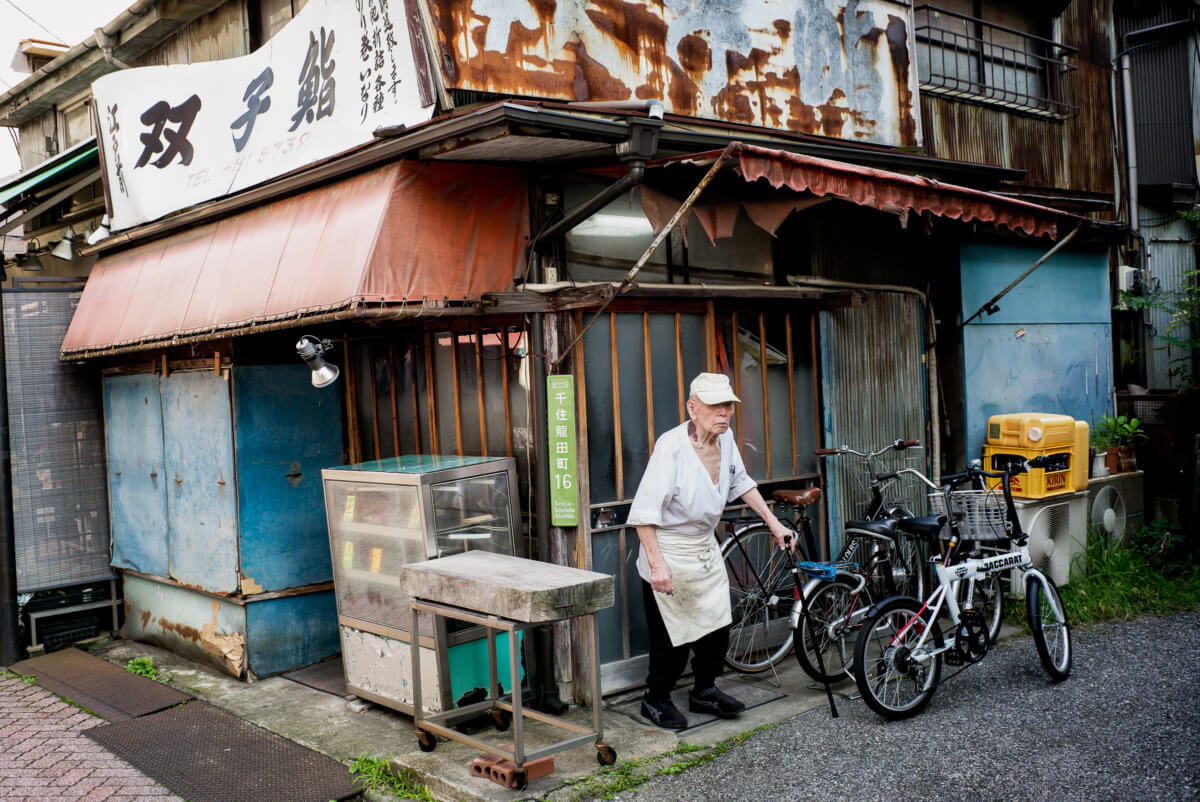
695, 470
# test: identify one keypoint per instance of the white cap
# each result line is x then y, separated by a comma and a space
713, 388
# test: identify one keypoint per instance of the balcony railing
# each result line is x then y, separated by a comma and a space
969, 58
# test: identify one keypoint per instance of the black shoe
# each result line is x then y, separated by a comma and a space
716, 701
663, 713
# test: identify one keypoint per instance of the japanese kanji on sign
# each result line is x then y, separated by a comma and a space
175, 136
560, 418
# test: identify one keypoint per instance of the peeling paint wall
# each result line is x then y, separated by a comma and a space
383, 666
835, 69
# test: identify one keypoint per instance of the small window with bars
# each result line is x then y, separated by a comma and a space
972, 56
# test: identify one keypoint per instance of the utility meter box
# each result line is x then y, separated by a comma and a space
1021, 436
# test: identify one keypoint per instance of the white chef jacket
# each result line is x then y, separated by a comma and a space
678, 497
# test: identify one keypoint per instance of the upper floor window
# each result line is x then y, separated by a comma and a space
75, 122
980, 51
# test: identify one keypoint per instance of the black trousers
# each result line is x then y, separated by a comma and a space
667, 662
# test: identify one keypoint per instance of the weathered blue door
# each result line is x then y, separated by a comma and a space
136, 477
201, 498
286, 430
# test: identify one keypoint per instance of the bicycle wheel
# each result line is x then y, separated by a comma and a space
761, 591
835, 613
1048, 621
985, 594
908, 567
896, 671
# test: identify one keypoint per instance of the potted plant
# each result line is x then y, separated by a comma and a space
1101, 442
1120, 434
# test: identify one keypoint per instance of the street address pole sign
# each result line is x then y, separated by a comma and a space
564, 495
178, 135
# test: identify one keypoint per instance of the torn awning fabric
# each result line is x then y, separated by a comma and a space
824, 179
895, 193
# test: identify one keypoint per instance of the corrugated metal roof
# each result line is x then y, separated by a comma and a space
395, 235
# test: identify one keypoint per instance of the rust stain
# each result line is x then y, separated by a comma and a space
897, 37
145, 618
783, 29
695, 56
833, 114
642, 33
182, 630
592, 80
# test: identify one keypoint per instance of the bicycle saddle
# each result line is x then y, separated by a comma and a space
886, 527
929, 525
799, 498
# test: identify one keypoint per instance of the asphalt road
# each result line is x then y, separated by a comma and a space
1124, 726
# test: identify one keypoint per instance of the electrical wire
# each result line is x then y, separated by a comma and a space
34, 21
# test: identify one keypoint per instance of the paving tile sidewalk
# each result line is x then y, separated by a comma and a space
45, 756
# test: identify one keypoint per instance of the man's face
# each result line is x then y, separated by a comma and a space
711, 419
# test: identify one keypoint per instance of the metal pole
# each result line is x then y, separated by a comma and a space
10, 638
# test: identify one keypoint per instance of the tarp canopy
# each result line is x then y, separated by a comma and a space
406, 233
824, 179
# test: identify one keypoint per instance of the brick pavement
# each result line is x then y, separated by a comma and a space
45, 756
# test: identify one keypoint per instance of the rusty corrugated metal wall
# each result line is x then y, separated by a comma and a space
1074, 153
873, 383
1170, 254
836, 70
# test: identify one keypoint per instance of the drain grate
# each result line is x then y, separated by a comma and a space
206, 755
107, 690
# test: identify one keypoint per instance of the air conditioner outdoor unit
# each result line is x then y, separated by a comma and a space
1057, 529
1129, 279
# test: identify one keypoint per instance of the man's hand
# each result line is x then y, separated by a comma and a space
784, 537
660, 578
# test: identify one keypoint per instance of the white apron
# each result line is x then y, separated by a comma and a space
699, 603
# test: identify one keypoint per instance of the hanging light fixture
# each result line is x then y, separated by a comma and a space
64, 249
102, 232
29, 260
312, 350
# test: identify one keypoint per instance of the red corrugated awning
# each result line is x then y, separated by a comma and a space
891, 192
397, 235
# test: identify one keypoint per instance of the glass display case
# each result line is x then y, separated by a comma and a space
389, 513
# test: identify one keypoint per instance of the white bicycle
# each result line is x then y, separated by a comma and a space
899, 652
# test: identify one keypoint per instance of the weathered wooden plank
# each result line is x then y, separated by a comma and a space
510, 587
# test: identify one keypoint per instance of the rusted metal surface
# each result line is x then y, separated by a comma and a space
381, 238
836, 70
894, 192
191, 624
1072, 153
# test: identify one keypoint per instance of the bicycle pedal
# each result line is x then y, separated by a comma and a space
953, 658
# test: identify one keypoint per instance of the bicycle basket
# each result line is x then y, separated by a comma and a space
980, 514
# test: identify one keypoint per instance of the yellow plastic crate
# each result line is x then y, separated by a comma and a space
1026, 435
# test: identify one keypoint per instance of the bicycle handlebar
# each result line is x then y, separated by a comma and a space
895, 445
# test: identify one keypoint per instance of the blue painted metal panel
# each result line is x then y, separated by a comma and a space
286, 431
291, 632
201, 502
1049, 349
136, 477
1071, 287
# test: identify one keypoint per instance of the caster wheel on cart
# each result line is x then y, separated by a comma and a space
519, 780
605, 755
426, 740
501, 718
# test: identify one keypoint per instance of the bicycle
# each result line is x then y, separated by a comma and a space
898, 663
763, 594
888, 545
